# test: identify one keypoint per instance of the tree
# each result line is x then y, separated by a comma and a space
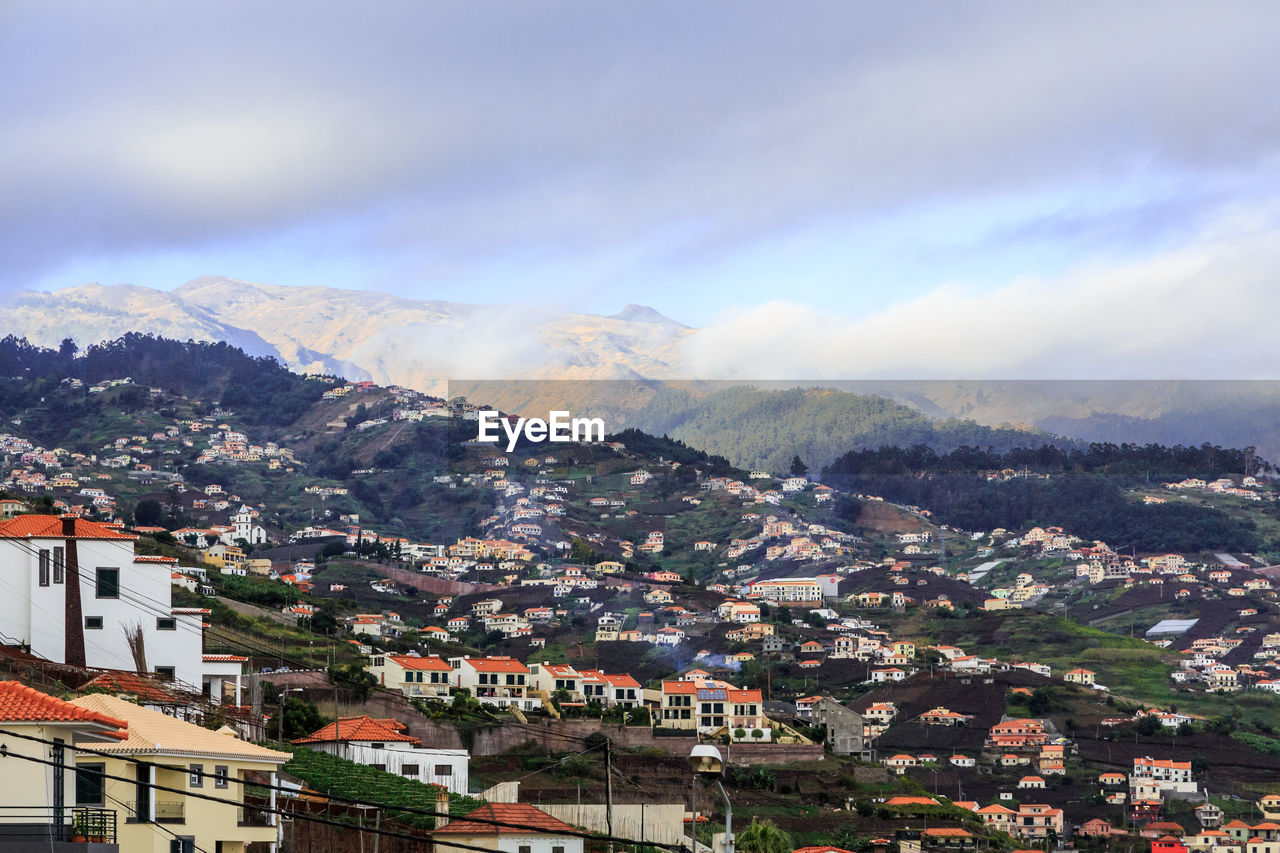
798, 468
763, 836
148, 513
1148, 725
301, 718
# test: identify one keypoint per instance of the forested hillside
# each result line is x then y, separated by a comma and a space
1081, 489
756, 428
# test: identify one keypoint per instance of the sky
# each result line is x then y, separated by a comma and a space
864, 172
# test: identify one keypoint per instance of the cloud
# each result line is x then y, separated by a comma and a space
1199, 312
442, 135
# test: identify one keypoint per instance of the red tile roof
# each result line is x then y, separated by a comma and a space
225, 659
534, 821
496, 664
130, 684
430, 663
22, 704
360, 728
50, 527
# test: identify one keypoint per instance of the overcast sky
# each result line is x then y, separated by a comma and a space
753, 167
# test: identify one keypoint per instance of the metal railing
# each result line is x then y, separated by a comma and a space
251, 816
65, 824
166, 811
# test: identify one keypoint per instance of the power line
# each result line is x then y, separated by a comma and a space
266, 785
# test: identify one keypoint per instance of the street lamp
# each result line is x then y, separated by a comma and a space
280, 712
705, 760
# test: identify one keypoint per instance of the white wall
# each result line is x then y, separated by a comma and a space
396, 755
508, 843
36, 614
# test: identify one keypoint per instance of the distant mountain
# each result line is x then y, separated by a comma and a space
360, 334
422, 343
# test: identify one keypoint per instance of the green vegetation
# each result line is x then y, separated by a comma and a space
338, 777
1078, 490
758, 428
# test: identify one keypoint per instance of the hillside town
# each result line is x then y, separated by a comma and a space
614, 592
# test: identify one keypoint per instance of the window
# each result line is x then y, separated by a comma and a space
93, 623
44, 567
183, 844
165, 672
221, 776
409, 770
197, 776
444, 770
108, 583
376, 745
90, 783
166, 623
557, 849
525, 848
382, 767
59, 563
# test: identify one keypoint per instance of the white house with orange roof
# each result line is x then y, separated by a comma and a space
501, 681
387, 745
84, 624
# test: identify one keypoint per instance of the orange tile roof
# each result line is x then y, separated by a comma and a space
360, 728
431, 663
496, 664
225, 659
148, 558
131, 684
533, 821
622, 680
50, 527
22, 704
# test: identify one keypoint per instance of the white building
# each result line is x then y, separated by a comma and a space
117, 591
244, 525
386, 745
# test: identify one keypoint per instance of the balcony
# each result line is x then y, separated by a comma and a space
255, 816
166, 811
46, 829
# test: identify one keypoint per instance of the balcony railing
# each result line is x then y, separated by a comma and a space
66, 824
251, 816
166, 811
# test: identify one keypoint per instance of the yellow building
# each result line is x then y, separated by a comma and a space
37, 788
181, 757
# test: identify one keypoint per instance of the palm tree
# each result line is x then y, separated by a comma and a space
763, 836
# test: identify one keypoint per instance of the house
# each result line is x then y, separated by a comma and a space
1154, 778
179, 756
386, 745
41, 556
1209, 816
500, 681
846, 728
420, 677
38, 815
1038, 821
1080, 676
941, 716
539, 832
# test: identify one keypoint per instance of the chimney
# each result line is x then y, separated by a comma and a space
73, 618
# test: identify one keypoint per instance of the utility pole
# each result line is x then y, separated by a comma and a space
608, 790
